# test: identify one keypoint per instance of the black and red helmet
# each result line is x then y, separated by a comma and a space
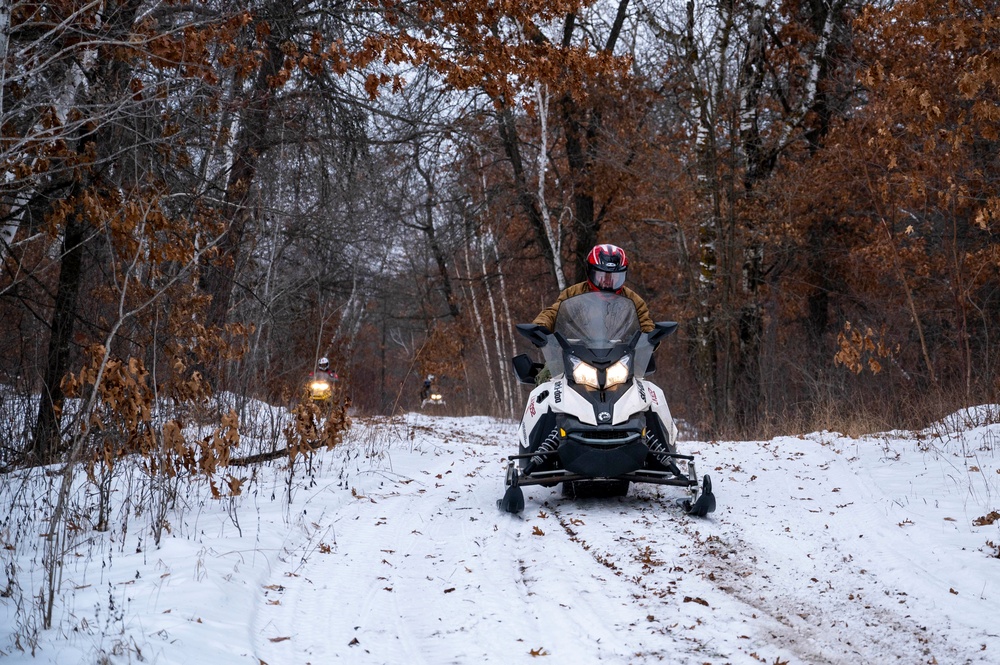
606, 267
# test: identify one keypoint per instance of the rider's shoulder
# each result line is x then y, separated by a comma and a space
575, 290
629, 293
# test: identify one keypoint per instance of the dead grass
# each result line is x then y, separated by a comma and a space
858, 417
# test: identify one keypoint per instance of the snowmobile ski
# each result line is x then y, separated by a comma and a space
513, 497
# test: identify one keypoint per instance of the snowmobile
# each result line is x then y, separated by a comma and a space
434, 398
320, 387
593, 423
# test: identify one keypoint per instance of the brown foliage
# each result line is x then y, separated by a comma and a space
316, 425
122, 422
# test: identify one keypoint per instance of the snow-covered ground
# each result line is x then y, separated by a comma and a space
390, 549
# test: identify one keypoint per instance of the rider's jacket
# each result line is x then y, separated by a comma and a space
547, 317
320, 375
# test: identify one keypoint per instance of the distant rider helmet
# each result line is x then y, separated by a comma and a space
324, 364
606, 267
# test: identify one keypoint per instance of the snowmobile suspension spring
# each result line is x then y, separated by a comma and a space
550, 443
662, 453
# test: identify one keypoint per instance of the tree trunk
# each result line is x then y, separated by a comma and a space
553, 235
108, 80
582, 127
251, 142
45, 441
747, 390
709, 207
580, 168
440, 260
512, 146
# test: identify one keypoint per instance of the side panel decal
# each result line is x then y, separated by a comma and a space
660, 408
633, 401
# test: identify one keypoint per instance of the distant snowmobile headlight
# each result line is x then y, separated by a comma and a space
583, 373
618, 373
436, 396
320, 390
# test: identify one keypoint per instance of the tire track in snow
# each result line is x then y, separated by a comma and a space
825, 618
796, 616
813, 590
632, 560
642, 540
588, 610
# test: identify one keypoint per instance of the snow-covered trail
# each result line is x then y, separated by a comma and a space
809, 559
425, 569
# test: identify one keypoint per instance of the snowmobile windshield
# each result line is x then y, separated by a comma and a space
597, 320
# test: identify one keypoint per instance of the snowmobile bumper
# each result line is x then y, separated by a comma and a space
584, 462
642, 476
579, 456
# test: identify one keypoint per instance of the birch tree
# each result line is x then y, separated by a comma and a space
760, 79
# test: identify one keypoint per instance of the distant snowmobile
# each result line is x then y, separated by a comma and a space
320, 390
434, 398
597, 425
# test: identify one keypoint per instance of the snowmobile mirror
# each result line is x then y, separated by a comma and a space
525, 369
661, 330
534, 333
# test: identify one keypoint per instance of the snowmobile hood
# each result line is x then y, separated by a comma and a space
558, 397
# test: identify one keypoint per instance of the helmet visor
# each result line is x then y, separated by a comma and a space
607, 281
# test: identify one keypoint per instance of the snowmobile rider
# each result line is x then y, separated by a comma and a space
425, 391
606, 268
323, 372
321, 382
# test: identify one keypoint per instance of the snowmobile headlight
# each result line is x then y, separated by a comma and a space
435, 396
319, 386
618, 373
583, 373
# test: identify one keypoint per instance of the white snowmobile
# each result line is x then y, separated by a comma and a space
596, 425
